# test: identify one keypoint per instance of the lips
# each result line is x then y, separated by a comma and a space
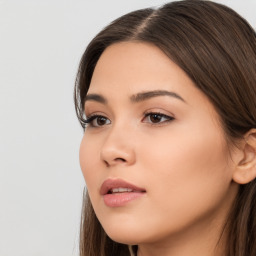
117, 192
111, 186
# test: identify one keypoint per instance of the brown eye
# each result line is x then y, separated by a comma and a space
97, 121
156, 118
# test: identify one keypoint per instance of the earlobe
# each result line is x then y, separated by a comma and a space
245, 170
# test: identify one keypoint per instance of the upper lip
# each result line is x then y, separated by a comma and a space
109, 184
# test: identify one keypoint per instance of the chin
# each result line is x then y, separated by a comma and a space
124, 235
129, 240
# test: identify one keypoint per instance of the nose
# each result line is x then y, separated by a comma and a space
118, 148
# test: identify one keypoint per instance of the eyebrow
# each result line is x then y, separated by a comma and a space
95, 97
151, 94
142, 96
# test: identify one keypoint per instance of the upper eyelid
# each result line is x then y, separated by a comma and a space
170, 117
93, 116
160, 114
95, 113
159, 111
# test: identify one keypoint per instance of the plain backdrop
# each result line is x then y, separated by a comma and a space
41, 185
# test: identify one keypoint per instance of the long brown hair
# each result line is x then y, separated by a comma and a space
217, 49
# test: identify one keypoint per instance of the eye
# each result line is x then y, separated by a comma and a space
156, 118
97, 121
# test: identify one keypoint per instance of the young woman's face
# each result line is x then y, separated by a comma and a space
153, 155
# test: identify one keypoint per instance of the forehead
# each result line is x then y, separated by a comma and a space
136, 66
129, 68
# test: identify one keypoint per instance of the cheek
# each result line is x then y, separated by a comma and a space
189, 169
88, 156
185, 148
188, 179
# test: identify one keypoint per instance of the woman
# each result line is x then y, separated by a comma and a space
167, 98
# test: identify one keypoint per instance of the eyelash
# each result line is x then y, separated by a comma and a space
161, 115
90, 119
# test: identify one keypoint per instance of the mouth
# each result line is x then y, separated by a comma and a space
117, 192
114, 186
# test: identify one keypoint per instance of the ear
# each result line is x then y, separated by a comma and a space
245, 170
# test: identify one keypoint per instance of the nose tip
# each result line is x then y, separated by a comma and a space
113, 153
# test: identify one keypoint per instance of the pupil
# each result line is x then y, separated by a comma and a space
155, 118
101, 120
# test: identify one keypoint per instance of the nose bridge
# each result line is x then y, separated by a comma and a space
118, 146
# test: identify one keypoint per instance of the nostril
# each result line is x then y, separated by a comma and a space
119, 159
107, 164
115, 161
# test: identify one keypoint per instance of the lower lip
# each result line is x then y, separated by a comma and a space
121, 199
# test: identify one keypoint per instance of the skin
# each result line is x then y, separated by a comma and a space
184, 162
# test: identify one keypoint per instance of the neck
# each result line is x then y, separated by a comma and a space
206, 244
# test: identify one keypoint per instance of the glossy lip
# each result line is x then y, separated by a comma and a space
109, 184
122, 198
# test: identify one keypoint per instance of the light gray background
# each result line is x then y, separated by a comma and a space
41, 185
